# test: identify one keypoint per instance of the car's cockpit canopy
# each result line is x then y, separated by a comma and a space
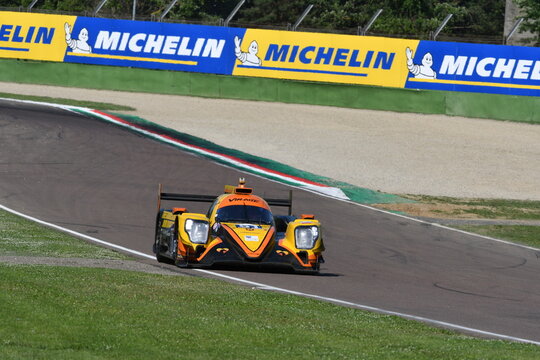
245, 214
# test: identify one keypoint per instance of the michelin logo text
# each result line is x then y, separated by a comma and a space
159, 44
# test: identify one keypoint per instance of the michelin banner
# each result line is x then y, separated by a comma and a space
333, 58
85, 40
483, 68
33, 36
322, 57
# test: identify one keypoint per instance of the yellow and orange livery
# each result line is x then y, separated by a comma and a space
239, 229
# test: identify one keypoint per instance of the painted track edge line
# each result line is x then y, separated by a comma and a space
317, 190
305, 188
374, 309
334, 192
74, 233
262, 286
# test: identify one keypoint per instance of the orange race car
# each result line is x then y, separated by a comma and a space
239, 229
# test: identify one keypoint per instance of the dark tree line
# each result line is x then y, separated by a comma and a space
414, 18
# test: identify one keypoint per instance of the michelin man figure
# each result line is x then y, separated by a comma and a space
249, 58
423, 71
80, 45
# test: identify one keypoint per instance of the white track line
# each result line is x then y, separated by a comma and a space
269, 287
262, 286
305, 188
75, 233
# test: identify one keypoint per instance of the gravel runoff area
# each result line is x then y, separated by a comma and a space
399, 153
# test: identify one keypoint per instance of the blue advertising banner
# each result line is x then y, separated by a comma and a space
474, 68
155, 45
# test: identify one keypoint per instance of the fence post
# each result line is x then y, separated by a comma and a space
301, 18
235, 10
514, 29
364, 30
443, 24
100, 5
133, 10
167, 9
29, 8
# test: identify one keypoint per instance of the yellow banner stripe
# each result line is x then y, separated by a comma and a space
133, 58
477, 83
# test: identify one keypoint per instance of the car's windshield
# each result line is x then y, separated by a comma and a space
244, 213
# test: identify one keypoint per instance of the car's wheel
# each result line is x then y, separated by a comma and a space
317, 266
174, 249
180, 261
162, 259
157, 250
156, 247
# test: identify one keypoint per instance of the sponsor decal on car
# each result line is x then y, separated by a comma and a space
251, 238
249, 226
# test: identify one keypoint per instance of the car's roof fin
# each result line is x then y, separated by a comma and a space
241, 189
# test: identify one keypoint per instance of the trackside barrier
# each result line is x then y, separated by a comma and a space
329, 58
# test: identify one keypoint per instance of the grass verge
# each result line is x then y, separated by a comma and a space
456, 208
52, 312
527, 235
88, 104
21, 237
66, 313
439, 207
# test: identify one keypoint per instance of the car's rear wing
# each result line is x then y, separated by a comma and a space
282, 202
210, 198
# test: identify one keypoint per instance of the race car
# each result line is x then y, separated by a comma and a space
239, 229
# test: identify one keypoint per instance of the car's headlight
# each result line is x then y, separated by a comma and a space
305, 236
197, 231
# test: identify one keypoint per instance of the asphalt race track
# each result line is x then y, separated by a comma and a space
101, 180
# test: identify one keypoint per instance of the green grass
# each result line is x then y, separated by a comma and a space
69, 313
487, 208
527, 235
52, 312
25, 238
88, 104
437, 207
